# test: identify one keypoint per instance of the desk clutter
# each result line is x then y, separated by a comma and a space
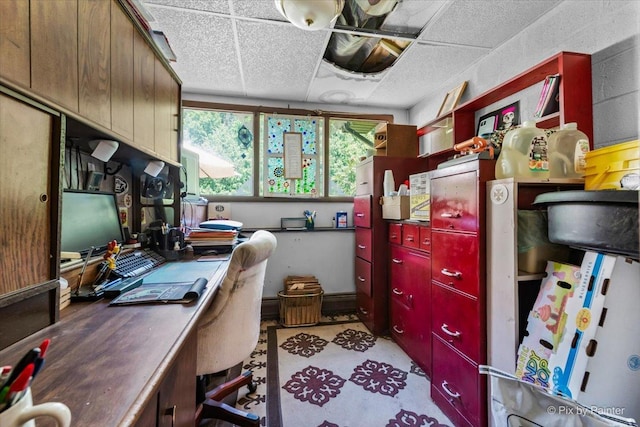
300, 301
214, 235
16, 404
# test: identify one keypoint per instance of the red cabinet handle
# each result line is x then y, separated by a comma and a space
409, 239
445, 329
451, 215
359, 215
445, 387
360, 278
450, 273
362, 247
397, 261
397, 330
397, 291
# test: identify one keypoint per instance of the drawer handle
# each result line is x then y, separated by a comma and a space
409, 239
426, 242
397, 291
451, 215
445, 387
171, 412
397, 261
362, 247
360, 215
364, 182
445, 329
363, 311
360, 278
394, 236
450, 273
397, 330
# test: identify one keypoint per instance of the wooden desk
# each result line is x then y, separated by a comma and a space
121, 366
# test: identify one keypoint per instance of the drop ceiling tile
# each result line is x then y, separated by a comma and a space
485, 23
219, 6
335, 86
257, 9
420, 70
411, 16
279, 61
205, 50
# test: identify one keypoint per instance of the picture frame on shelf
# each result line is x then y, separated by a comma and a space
494, 125
451, 99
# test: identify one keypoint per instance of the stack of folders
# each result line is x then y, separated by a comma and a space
204, 237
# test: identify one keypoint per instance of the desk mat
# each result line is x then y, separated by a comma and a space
175, 272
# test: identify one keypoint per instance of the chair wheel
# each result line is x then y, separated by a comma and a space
253, 386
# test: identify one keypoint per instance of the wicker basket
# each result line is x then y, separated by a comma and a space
300, 309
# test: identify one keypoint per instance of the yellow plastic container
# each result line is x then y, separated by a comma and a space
607, 168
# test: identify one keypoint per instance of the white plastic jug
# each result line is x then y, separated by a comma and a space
524, 153
567, 150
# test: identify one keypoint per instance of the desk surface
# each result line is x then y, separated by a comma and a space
106, 362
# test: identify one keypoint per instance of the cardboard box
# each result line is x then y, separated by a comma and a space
597, 359
420, 198
395, 207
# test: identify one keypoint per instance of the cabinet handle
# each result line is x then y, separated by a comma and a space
397, 330
364, 183
426, 242
409, 239
362, 247
397, 261
359, 215
397, 291
445, 329
450, 273
363, 311
360, 278
394, 236
171, 411
451, 215
445, 387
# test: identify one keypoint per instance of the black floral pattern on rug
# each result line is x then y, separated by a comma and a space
304, 345
314, 385
379, 377
328, 424
411, 419
352, 339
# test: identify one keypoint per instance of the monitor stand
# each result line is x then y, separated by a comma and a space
86, 293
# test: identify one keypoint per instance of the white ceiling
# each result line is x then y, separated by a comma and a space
246, 49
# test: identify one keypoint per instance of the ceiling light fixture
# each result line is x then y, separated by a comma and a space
310, 15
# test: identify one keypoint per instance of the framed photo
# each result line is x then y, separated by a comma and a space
488, 124
451, 99
509, 116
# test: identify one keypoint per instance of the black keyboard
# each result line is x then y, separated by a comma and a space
136, 263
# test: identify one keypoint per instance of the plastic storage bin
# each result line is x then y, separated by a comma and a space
604, 221
614, 167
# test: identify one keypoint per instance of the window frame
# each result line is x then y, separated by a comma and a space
259, 155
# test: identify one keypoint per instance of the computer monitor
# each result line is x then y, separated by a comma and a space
89, 218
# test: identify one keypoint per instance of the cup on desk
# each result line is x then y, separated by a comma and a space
23, 413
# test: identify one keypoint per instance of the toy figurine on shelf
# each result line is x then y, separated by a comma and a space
110, 258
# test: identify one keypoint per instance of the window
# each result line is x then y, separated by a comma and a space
276, 153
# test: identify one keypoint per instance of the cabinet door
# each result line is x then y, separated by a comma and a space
162, 110
175, 118
54, 51
143, 93
176, 405
121, 73
25, 132
454, 202
94, 60
14, 41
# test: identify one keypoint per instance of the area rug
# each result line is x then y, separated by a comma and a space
340, 375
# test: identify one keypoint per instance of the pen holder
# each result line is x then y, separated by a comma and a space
23, 412
309, 223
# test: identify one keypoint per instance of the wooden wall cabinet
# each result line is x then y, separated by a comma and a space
15, 50
122, 33
372, 236
396, 140
143, 93
458, 292
410, 291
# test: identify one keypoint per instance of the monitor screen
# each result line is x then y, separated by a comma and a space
89, 219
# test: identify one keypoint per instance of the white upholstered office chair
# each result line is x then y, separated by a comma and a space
228, 333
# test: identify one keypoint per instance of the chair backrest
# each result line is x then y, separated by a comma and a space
229, 330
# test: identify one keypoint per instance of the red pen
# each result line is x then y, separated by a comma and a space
20, 385
39, 362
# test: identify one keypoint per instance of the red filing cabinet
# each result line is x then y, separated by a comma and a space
410, 292
371, 252
458, 291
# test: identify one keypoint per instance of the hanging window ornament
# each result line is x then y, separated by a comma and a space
244, 136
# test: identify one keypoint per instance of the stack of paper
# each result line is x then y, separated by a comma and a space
207, 237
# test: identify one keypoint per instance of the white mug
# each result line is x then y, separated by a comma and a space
22, 413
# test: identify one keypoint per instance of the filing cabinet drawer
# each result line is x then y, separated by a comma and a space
364, 307
411, 236
362, 211
364, 179
455, 262
364, 242
454, 202
409, 276
425, 239
363, 276
455, 320
456, 382
411, 332
395, 233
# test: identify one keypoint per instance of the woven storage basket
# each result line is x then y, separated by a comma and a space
300, 309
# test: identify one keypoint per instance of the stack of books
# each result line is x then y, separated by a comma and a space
549, 101
208, 238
